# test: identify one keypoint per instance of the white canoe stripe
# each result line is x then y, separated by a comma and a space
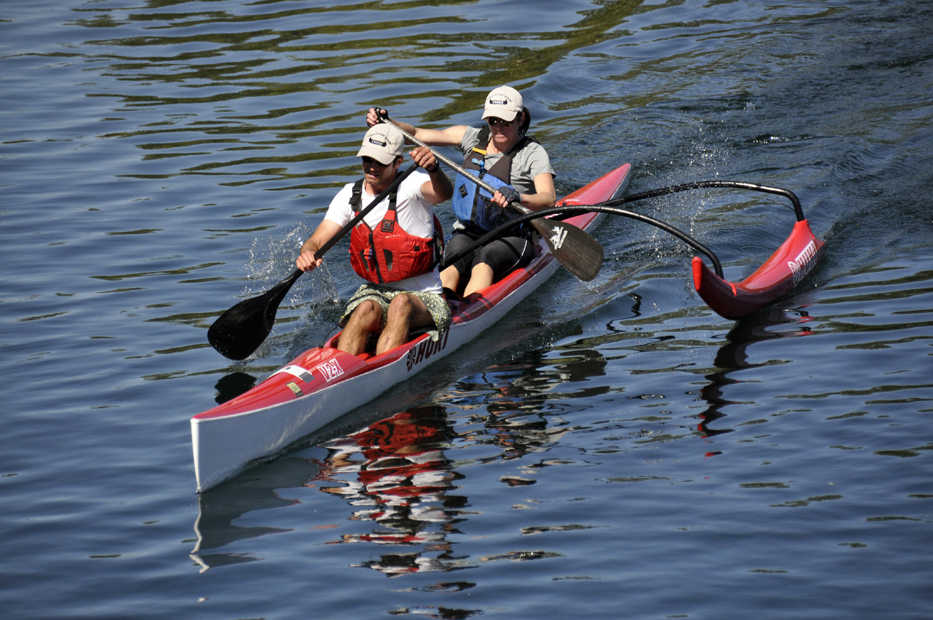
297, 371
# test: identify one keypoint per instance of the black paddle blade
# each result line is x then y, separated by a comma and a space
573, 247
240, 330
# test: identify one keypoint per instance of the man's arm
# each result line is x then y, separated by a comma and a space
439, 188
325, 231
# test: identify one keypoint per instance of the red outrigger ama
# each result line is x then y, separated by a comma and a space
776, 277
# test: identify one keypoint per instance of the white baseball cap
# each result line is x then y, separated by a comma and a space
383, 142
503, 102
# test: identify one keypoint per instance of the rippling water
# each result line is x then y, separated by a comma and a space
613, 449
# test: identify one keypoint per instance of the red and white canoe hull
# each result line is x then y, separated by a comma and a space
323, 383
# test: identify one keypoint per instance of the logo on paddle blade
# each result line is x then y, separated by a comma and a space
557, 239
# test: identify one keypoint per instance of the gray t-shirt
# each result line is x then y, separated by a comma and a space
530, 161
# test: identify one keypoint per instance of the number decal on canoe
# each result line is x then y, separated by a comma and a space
331, 370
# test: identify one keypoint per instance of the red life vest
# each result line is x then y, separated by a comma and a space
387, 253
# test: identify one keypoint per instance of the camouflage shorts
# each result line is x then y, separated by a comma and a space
382, 295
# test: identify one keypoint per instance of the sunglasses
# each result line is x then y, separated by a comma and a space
498, 122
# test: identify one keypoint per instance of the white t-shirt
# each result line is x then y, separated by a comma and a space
413, 212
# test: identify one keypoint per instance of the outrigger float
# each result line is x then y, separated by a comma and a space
324, 383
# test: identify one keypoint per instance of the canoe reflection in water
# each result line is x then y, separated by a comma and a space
395, 472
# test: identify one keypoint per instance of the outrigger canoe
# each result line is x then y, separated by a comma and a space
323, 383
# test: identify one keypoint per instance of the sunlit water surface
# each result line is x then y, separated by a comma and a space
612, 449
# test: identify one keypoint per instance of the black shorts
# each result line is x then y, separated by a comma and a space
503, 254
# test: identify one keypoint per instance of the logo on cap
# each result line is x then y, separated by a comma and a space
378, 141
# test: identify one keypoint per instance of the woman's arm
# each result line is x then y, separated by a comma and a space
544, 195
449, 136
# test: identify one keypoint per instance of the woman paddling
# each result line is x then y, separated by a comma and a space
506, 158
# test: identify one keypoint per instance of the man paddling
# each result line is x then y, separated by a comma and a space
395, 248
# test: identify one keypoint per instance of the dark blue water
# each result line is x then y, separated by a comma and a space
613, 449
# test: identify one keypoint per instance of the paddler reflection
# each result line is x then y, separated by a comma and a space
519, 413
396, 474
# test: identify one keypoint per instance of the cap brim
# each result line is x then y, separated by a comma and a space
378, 154
506, 114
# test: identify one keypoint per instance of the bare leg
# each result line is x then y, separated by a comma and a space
405, 311
450, 278
480, 278
366, 319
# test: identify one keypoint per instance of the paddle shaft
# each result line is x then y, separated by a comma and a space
486, 186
